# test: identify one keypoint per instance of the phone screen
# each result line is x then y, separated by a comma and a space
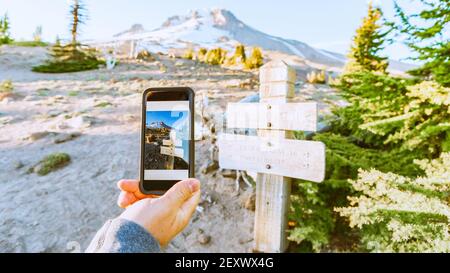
166, 142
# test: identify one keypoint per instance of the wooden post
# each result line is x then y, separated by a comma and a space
273, 154
277, 81
132, 53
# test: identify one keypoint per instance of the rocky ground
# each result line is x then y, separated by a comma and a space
95, 118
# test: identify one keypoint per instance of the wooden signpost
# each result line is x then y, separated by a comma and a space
172, 151
172, 148
273, 153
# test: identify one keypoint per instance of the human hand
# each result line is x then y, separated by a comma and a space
164, 217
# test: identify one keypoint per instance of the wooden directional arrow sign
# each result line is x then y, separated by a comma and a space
285, 157
169, 142
282, 116
178, 152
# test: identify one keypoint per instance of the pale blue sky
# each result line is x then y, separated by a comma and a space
327, 24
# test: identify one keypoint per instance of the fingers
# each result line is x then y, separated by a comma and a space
181, 192
125, 199
188, 208
132, 185
129, 185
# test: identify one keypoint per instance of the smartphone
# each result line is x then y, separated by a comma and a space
167, 138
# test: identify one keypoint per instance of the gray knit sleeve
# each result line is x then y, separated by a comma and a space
123, 236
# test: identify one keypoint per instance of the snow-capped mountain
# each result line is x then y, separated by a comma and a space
219, 27
136, 28
158, 125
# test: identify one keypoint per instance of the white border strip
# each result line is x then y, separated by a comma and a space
180, 105
166, 174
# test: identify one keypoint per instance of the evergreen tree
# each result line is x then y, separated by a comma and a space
238, 56
77, 10
216, 56
367, 43
73, 56
256, 59
4, 30
427, 34
189, 54
37, 35
56, 51
201, 55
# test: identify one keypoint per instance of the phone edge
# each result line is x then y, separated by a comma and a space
191, 129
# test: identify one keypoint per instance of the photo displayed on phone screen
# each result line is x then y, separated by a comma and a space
166, 150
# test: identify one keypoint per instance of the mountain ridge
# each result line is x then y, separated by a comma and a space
158, 125
220, 27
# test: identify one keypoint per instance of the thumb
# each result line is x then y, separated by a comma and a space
181, 192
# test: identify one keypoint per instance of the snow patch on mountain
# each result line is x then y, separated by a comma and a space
220, 28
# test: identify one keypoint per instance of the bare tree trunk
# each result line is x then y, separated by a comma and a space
75, 18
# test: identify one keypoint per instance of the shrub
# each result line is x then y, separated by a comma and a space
312, 203
52, 162
6, 86
73, 93
255, 60
216, 56
201, 55
316, 77
238, 57
70, 58
103, 104
4, 30
189, 54
401, 214
145, 55
37, 35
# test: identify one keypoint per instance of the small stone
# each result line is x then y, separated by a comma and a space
66, 137
18, 164
179, 63
6, 120
214, 197
203, 239
31, 98
200, 209
79, 122
38, 135
53, 113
